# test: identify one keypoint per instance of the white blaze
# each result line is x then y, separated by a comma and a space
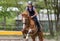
23, 22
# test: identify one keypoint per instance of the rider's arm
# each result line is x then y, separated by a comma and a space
35, 13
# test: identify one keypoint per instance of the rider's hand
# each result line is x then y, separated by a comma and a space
32, 16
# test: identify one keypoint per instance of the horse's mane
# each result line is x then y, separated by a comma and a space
25, 13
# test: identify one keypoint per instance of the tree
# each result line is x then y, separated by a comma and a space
5, 14
49, 6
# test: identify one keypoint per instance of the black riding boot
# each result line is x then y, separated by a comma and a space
37, 24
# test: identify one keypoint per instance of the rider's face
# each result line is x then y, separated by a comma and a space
29, 5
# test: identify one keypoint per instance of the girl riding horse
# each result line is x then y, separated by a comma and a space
33, 13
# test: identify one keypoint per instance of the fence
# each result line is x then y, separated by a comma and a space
17, 26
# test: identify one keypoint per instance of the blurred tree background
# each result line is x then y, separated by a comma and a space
7, 16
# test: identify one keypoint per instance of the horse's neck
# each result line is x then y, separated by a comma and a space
31, 21
27, 22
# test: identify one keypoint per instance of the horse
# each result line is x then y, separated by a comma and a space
30, 28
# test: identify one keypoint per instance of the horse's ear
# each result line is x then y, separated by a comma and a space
23, 13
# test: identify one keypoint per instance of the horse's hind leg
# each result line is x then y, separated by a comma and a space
33, 38
40, 35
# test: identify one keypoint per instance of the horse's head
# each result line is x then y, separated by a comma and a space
25, 14
26, 17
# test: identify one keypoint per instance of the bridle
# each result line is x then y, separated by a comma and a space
26, 21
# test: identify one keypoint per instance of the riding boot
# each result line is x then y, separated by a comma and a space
37, 24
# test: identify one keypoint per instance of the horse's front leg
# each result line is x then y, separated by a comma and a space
24, 33
33, 38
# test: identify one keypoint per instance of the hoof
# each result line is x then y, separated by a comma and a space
24, 36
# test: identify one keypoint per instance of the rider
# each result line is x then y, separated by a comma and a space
33, 13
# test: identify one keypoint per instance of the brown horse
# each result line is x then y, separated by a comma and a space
30, 29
